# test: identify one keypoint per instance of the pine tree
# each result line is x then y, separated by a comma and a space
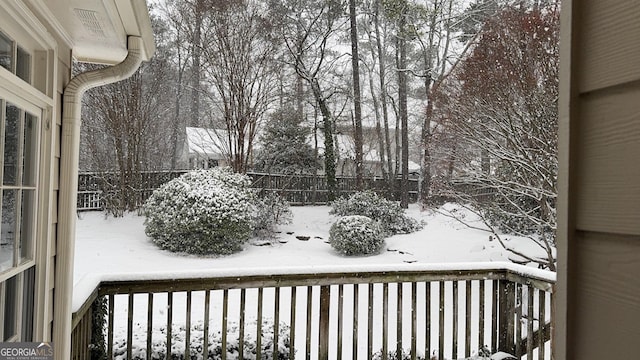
283, 146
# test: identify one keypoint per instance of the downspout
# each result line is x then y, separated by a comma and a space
69, 156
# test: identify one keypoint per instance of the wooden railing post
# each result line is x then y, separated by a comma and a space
507, 308
325, 299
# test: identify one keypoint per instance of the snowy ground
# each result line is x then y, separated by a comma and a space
118, 248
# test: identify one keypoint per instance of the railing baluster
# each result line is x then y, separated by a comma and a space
518, 324
129, 324
259, 325
205, 332
149, 325
507, 291
495, 291
414, 319
399, 322
356, 300
385, 321
441, 322
110, 328
542, 309
292, 329
309, 318
169, 321
481, 305
467, 345
427, 315
454, 335
370, 289
325, 302
225, 315
340, 319
243, 307
530, 318
276, 321
187, 335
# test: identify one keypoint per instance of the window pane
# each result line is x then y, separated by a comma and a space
23, 65
6, 52
26, 225
11, 137
8, 228
10, 313
29, 150
28, 290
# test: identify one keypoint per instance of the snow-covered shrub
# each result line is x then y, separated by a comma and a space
271, 210
393, 355
159, 342
356, 235
201, 212
388, 213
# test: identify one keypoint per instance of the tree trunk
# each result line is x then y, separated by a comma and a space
402, 108
356, 95
383, 95
196, 66
329, 155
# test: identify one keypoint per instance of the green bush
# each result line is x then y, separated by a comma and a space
201, 212
356, 235
388, 213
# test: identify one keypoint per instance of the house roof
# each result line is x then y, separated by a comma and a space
97, 30
211, 143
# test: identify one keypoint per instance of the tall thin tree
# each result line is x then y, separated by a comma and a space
357, 108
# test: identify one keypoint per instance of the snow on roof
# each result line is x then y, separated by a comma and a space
212, 143
346, 147
413, 166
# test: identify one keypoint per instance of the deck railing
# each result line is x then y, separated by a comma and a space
418, 311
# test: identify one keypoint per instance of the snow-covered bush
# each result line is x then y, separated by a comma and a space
159, 342
388, 213
356, 235
201, 212
271, 210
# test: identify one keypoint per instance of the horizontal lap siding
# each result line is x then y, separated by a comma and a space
609, 45
603, 246
609, 161
606, 304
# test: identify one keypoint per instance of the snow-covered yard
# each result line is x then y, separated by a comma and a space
113, 246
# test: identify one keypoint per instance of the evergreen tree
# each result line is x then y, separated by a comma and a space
284, 148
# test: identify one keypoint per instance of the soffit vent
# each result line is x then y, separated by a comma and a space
90, 21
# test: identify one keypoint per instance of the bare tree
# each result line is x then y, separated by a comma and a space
239, 53
307, 30
123, 131
503, 108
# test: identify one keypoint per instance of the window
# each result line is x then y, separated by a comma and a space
19, 145
6, 52
27, 91
14, 58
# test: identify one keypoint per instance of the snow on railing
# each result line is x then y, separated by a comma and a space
420, 310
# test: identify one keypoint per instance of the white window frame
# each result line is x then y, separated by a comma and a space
38, 96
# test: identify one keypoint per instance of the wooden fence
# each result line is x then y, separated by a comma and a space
97, 190
332, 314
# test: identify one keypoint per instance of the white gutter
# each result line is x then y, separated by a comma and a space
70, 143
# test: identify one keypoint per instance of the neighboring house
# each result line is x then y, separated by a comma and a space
40, 127
206, 148
344, 144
